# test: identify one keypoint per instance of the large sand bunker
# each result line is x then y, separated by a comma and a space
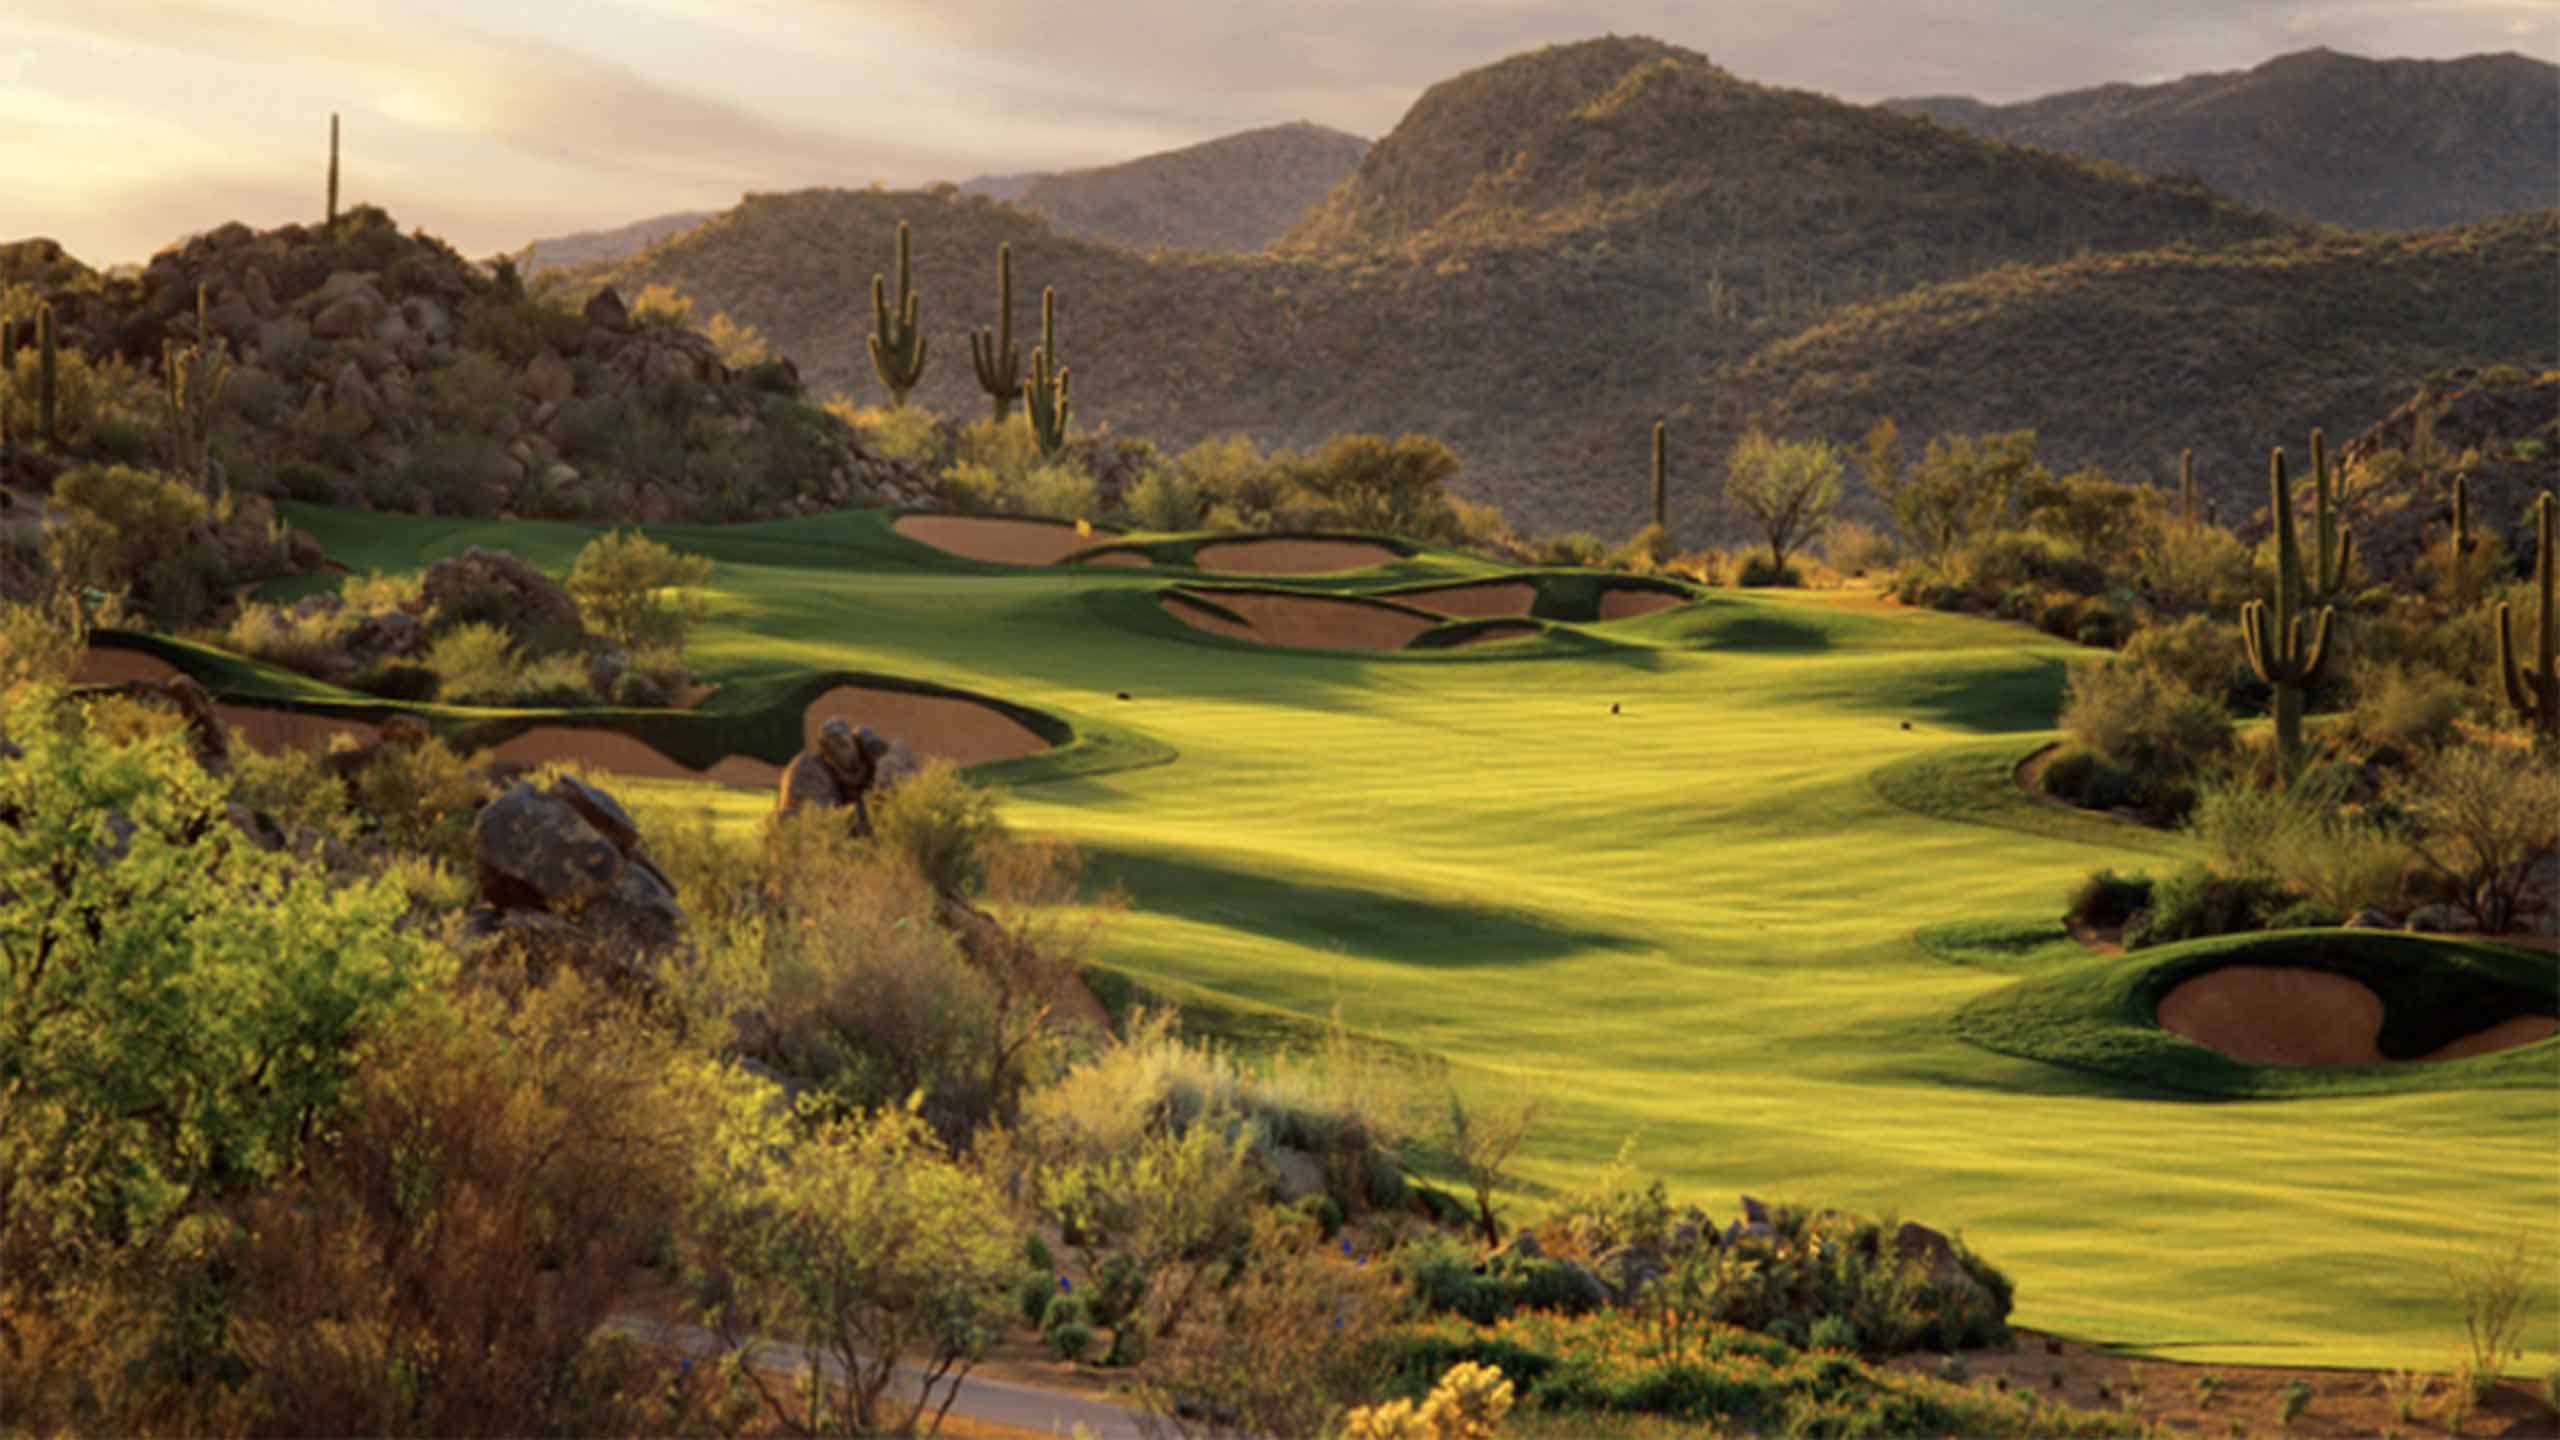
2294, 1015
963, 732
1625, 602
615, 753
106, 665
999, 541
1305, 621
1290, 556
1482, 600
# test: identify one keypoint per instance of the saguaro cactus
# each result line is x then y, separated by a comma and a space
333, 169
2273, 634
998, 359
2534, 689
1661, 480
2190, 509
2331, 545
46, 376
1044, 395
195, 375
897, 344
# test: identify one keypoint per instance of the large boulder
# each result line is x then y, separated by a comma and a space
563, 878
507, 591
846, 769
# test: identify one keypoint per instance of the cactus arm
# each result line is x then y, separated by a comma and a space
992, 353
46, 375
1661, 479
2534, 689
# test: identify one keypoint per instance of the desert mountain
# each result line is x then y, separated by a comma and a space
1238, 192
589, 247
2123, 360
1541, 259
2326, 136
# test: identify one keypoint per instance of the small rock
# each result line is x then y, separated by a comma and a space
607, 312
547, 379
2441, 920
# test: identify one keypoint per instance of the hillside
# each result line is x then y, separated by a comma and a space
2123, 360
1537, 317
2325, 136
588, 247
1238, 192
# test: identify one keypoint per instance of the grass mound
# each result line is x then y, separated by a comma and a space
2104, 1015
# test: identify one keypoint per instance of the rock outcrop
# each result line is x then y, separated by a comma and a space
845, 770
505, 590
562, 878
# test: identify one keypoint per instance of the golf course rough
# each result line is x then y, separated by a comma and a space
1668, 869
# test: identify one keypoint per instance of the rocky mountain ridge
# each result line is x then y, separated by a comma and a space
2322, 135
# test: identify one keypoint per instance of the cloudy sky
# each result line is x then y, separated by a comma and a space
127, 124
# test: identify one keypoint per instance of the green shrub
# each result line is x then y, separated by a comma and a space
475, 664
1033, 1293
2195, 902
2106, 898
1831, 1332
1066, 1327
1165, 499
1368, 482
421, 800
1577, 548
1855, 548
2081, 776
2200, 654
639, 592
129, 530
940, 826
2305, 915
1756, 571
2157, 730
2405, 710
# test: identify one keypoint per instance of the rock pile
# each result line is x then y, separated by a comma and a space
365, 353
562, 878
845, 770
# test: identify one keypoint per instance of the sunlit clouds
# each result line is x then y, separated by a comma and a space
126, 124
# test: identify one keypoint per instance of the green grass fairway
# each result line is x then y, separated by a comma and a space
1692, 921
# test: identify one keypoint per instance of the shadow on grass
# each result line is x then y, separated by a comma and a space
1326, 914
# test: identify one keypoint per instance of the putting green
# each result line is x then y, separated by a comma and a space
1691, 920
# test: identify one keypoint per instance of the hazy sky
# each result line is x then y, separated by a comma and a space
127, 124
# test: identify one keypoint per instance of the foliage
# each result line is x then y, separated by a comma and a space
2106, 898
1467, 1404
1483, 1139
2483, 809
1964, 485
1787, 489
2156, 729
421, 799
475, 664
865, 1237
1290, 1334
177, 1008
120, 535
639, 592
1368, 482
2195, 902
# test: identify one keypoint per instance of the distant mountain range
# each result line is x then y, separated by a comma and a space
2317, 134
1551, 252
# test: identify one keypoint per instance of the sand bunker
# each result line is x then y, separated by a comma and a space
2293, 1015
1481, 601
106, 665
1492, 632
1291, 557
1306, 621
1000, 541
1623, 603
963, 732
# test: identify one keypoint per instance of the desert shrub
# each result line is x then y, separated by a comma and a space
1232, 471
1165, 499
2481, 810
1467, 1404
2004, 559
1575, 548
637, 591
1648, 550
1786, 489
41, 640
1057, 491
295, 788
421, 800
102, 405
2157, 731
178, 1014
475, 664
1963, 486
2195, 902
1443, 1276
864, 1236
940, 827
1166, 1205
909, 433
1289, 1335
309, 642
128, 531
2081, 776
2200, 654
474, 1217
1856, 548
2405, 710
1368, 482
2106, 898
2196, 569
1756, 570
517, 326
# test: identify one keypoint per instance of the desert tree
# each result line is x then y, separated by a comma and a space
1788, 489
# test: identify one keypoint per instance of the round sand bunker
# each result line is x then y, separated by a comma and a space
963, 732
1484, 600
2294, 1015
999, 541
1291, 557
1315, 622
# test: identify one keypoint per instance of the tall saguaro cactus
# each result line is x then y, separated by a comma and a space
997, 358
1661, 480
2331, 546
897, 343
2190, 504
46, 376
2273, 634
1044, 395
333, 169
195, 375
2535, 689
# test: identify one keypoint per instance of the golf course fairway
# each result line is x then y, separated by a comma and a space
1668, 870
